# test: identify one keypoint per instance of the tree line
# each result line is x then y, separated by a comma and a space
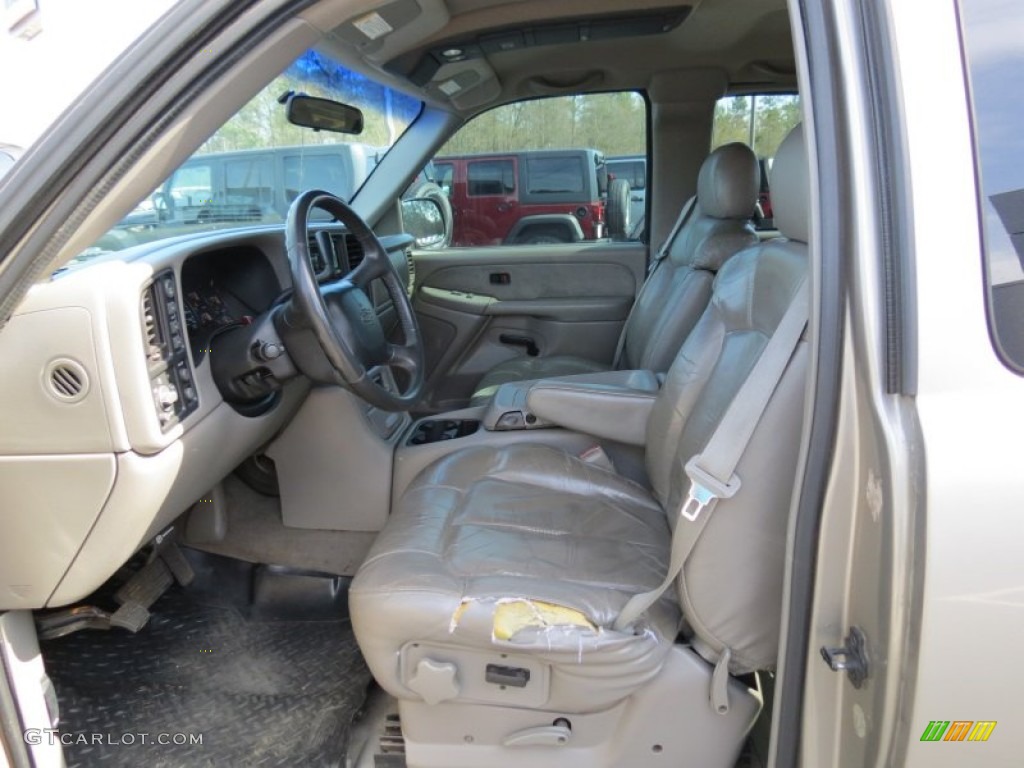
614, 123
760, 121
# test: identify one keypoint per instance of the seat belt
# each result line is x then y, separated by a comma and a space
666, 246
712, 472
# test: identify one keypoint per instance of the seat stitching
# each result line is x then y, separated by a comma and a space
556, 534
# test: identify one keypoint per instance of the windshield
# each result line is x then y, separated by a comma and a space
252, 168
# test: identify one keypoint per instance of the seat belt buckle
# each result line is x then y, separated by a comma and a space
705, 490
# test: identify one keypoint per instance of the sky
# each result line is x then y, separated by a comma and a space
77, 41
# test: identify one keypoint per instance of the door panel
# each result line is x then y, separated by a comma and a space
567, 299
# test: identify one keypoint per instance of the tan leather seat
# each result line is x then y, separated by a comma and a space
677, 292
519, 558
489, 524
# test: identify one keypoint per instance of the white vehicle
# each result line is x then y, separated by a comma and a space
313, 492
632, 168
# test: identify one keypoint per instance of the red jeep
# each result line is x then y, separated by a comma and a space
536, 196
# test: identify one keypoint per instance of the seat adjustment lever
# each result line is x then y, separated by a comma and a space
540, 736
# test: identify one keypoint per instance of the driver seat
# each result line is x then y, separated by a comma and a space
486, 605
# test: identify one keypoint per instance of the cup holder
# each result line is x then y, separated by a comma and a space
435, 430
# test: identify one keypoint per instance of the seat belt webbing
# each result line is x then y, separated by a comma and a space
666, 246
712, 471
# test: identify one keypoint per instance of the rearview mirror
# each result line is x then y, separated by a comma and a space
424, 220
323, 114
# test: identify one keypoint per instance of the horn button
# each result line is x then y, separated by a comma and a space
363, 332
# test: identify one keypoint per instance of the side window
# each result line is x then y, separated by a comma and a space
995, 61
249, 184
319, 171
487, 178
443, 177
192, 186
537, 172
552, 175
634, 171
761, 121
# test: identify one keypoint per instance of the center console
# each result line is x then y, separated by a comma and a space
572, 413
612, 404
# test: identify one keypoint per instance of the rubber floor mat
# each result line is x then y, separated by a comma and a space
256, 693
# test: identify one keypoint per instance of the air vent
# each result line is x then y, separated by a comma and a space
354, 249
316, 257
151, 325
411, 262
67, 380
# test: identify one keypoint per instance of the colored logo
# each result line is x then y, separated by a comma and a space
958, 730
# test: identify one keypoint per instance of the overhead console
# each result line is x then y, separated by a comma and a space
421, 67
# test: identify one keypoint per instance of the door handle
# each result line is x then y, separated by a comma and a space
520, 341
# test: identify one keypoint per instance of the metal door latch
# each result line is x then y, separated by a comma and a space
852, 657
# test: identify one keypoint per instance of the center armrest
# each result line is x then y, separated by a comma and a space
613, 405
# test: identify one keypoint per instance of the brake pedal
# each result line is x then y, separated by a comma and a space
146, 585
174, 559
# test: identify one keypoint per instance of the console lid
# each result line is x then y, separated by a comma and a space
612, 405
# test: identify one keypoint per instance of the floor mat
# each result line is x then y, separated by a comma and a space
256, 693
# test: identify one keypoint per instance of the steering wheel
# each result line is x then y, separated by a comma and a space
343, 319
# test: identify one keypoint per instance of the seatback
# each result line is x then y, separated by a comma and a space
675, 295
730, 589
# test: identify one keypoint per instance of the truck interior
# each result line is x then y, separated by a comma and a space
437, 507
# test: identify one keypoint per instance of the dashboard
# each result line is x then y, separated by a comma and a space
114, 394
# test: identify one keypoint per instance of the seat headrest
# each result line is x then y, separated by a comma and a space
728, 183
790, 187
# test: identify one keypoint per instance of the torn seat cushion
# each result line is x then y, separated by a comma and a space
490, 534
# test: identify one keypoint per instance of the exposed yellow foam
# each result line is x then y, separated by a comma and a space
515, 614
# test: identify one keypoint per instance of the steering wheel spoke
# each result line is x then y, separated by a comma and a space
342, 316
404, 356
367, 271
